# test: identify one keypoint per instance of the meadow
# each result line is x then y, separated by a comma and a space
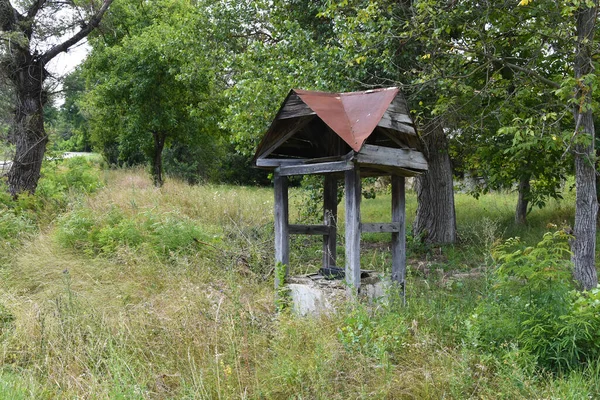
114, 289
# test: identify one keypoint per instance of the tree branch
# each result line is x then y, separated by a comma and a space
85, 30
34, 8
508, 64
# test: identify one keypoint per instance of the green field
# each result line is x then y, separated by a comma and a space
114, 289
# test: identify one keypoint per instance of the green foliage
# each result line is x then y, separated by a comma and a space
379, 335
282, 297
63, 181
164, 235
149, 90
533, 305
294, 48
72, 130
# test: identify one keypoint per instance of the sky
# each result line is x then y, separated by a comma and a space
64, 63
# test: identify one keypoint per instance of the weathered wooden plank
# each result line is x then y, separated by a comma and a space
398, 116
309, 229
282, 236
353, 195
294, 107
399, 238
286, 133
403, 125
330, 220
375, 227
278, 162
399, 105
401, 158
319, 168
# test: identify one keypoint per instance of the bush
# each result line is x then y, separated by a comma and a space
533, 305
61, 182
103, 234
13, 229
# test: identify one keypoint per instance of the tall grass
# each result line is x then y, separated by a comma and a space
134, 292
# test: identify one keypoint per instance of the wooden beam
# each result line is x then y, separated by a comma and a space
400, 126
278, 162
282, 236
309, 230
399, 238
387, 156
330, 220
353, 195
396, 117
393, 136
379, 227
293, 127
311, 169
370, 170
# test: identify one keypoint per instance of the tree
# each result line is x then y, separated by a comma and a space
74, 129
150, 89
292, 48
532, 42
28, 32
586, 204
435, 220
381, 37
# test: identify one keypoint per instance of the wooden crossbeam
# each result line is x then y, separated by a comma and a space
319, 168
309, 229
387, 156
379, 227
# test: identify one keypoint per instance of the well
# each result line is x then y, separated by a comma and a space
344, 137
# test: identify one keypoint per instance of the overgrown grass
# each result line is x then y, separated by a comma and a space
133, 292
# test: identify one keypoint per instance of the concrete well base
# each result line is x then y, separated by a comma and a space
313, 294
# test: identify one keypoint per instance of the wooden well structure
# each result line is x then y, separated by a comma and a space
343, 136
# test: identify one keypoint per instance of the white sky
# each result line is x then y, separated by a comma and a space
64, 63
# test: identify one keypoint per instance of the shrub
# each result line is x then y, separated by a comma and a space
104, 234
13, 229
533, 304
62, 181
379, 336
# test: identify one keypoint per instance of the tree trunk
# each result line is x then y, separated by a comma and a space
583, 245
523, 201
159, 145
29, 136
436, 220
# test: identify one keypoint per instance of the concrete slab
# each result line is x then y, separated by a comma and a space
313, 294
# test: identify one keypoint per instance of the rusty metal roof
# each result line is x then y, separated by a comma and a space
312, 124
353, 116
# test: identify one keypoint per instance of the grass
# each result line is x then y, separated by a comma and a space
133, 292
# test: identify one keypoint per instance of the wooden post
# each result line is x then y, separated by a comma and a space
399, 238
330, 219
353, 194
282, 234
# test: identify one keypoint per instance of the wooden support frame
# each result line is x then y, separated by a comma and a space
330, 220
282, 234
353, 197
354, 227
399, 237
